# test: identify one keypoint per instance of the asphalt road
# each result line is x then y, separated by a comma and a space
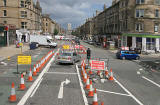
133, 85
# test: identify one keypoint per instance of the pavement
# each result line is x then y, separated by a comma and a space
12, 50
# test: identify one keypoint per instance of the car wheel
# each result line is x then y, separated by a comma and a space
137, 58
123, 58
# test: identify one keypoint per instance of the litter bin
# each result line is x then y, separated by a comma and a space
33, 45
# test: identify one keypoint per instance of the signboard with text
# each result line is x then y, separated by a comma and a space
77, 46
97, 65
66, 47
24, 60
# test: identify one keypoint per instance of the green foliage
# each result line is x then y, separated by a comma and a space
56, 32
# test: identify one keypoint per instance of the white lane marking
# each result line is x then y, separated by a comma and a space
29, 91
34, 91
151, 81
140, 69
60, 73
140, 103
60, 94
113, 93
81, 85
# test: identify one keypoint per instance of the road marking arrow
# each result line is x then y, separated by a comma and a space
60, 94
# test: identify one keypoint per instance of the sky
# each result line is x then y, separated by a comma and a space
72, 11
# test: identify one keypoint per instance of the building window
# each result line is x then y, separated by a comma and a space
156, 27
139, 27
46, 24
22, 3
139, 1
140, 13
157, 13
157, 2
24, 25
5, 2
4, 12
23, 14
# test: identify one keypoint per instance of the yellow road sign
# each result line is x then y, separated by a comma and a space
24, 60
65, 46
21, 44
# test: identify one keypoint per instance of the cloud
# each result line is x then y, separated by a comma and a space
71, 11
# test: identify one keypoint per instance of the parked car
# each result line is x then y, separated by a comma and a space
125, 54
68, 57
91, 42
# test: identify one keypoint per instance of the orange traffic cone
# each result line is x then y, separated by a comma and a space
90, 94
87, 84
106, 74
12, 97
98, 72
30, 79
34, 71
90, 72
37, 68
22, 85
102, 103
111, 75
95, 100
85, 78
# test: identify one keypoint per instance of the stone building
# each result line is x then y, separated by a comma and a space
132, 23
24, 14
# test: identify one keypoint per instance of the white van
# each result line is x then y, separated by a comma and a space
42, 40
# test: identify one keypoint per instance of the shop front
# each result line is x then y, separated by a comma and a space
147, 43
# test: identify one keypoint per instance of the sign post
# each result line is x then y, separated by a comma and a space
23, 60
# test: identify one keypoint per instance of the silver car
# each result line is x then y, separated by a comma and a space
68, 57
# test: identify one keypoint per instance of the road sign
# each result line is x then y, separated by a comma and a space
77, 46
66, 47
97, 65
81, 47
21, 44
24, 60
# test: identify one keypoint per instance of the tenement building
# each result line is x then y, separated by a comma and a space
131, 23
24, 15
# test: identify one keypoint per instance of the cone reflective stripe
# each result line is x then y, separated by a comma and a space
34, 71
111, 75
91, 90
95, 100
30, 79
87, 84
22, 85
12, 97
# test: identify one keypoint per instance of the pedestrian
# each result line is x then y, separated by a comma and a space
88, 54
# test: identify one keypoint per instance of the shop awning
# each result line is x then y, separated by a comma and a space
141, 35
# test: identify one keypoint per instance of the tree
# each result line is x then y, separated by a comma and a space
55, 32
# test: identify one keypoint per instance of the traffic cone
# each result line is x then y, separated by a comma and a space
34, 71
22, 85
90, 94
102, 103
106, 74
95, 100
87, 84
37, 68
12, 97
111, 75
90, 72
98, 72
30, 79
85, 78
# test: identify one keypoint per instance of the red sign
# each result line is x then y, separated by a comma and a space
97, 65
125, 48
6, 28
77, 46
81, 47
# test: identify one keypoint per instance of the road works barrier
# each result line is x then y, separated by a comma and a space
36, 69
